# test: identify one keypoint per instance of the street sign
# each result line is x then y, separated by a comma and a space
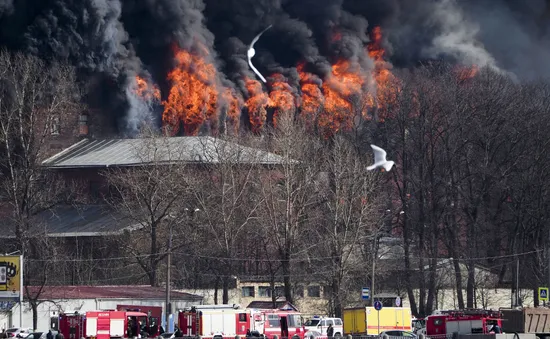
377, 305
543, 293
397, 301
365, 293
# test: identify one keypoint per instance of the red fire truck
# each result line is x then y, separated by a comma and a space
115, 324
72, 325
154, 315
462, 322
227, 321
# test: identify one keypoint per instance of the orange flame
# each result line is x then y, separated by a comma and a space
384, 84
193, 97
345, 82
312, 97
146, 91
256, 104
281, 97
465, 73
234, 104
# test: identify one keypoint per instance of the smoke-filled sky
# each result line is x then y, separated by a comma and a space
112, 41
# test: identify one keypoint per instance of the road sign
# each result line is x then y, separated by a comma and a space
397, 301
543, 293
365, 293
377, 305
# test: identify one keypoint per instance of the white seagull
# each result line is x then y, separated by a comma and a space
251, 52
380, 159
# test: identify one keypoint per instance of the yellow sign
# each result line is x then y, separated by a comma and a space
543, 293
10, 277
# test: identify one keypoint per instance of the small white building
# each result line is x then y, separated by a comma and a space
59, 299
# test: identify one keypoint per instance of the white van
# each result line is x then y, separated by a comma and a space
321, 324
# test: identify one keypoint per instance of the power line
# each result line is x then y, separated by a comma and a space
294, 260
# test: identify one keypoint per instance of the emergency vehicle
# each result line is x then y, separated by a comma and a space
369, 321
227, 321
462, 322
154, 315
72, 325
115, 324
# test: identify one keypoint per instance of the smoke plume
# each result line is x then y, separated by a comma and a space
115, 42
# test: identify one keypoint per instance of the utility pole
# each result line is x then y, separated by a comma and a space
168, 306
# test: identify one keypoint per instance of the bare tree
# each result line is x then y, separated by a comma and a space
347, 214
226, 192
155, 195
287, 190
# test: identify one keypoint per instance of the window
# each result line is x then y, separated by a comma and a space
273, 320
279, 291
294, 320
330, 322
248, 291
264, 291
242, 317
314, 291
338, 322
54, 127
299, 291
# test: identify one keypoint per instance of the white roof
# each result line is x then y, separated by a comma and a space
132, 152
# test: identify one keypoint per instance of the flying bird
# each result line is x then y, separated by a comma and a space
251, 52
380, 159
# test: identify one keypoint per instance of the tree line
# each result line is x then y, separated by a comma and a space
470, 186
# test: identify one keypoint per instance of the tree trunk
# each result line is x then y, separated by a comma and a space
470, 286
216, 289
154, 255
458, 280
285, 265
34, 306
225, 290
336, 298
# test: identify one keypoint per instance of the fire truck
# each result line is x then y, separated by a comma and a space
227, 321
462, 322
115, 324
154, 315
72, 324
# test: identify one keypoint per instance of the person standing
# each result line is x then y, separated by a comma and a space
330, 331
49, 335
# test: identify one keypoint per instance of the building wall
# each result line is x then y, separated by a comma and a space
52, 308
308, 304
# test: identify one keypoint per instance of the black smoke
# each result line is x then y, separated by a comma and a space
112, 41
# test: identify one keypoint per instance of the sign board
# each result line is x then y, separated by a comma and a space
377, 305
543, 293
397, 301
365, 293
10, 278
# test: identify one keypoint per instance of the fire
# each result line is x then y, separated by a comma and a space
234, 104
256, 104
464, 72
384, 84
312, 97
144, 90
282, 98
345, 83
193, 97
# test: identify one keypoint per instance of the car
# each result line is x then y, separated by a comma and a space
37, 335
17, 332
399, 333
312, 334
321, 325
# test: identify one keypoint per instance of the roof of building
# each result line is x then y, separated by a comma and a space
107, 292
78, 220
268, 305
132, 152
